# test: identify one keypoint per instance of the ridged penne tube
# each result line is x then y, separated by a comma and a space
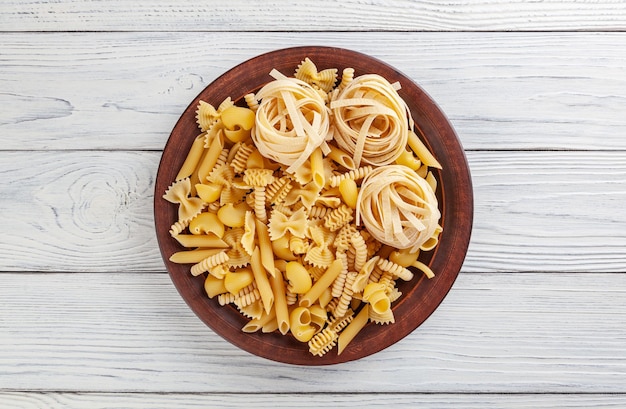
240, 161
323, 342
280, 302
340, 157
257, 324
346, 296
193, 256
317, 168
262, 281
201, 240
210, 158
322, 284
265, 246
352, 329
354, 174
193, 157
422, 151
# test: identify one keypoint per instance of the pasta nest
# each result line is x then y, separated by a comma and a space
371, 120
292, 120
398, 207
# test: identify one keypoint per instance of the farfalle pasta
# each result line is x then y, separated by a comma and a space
306, 202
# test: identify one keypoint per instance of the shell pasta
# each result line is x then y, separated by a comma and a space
306, 203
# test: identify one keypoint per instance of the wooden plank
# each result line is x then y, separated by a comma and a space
92, 211
499, 333
27, 400
126, 90
241, 15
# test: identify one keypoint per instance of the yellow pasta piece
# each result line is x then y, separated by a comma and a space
352, 329
407, 159
349, 192
238, 122
178, 227
206, 223
265, 246
347, 76
299, 279
346, 296
253, 310
317, 168
281, 250
208, 263
232, 215
208, 162
354, 174
214, 286
262, 281
239, 163
322, 284
251, 101
395, 269
179, 193
280, 302
276, 191
200, 240
300, 321
422, 151
386, 317
193, 157
258, 323
206, 116
375, 294
340, 157
324, 80
193, 256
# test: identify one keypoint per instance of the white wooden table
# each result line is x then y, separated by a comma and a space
90, 90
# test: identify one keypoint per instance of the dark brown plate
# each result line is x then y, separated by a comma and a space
420, 296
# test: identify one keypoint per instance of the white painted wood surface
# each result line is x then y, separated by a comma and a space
89, 92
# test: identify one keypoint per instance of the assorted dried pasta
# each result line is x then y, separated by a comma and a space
304, 206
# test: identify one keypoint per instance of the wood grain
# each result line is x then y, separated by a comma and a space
330, 15
502, 333
87, 211
125, 91
31, 400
